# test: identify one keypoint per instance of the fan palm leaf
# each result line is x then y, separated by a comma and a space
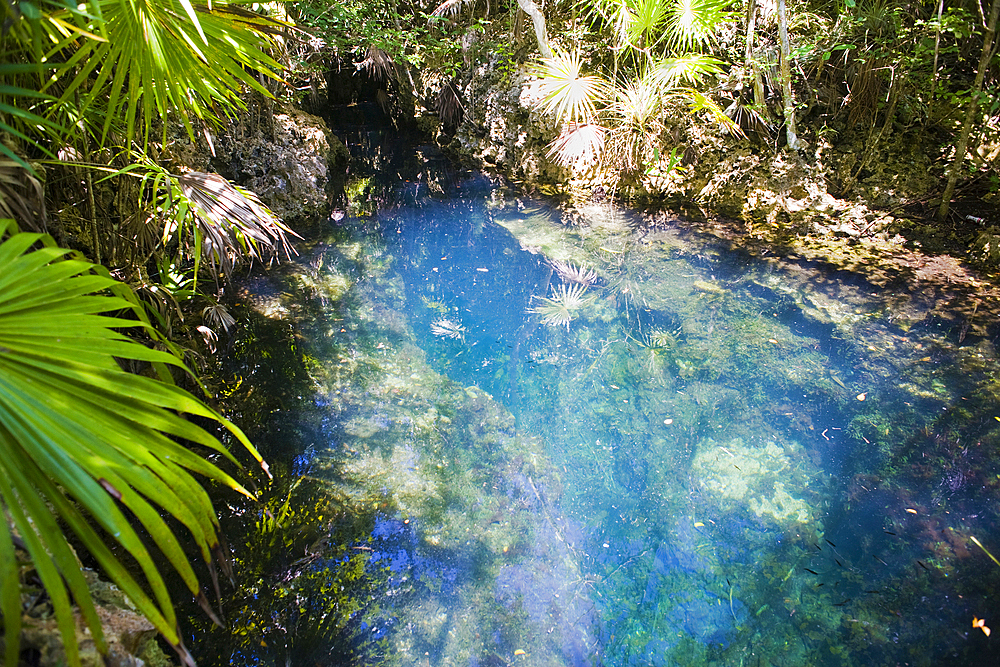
130, 61
691, 24
646, 19
224, 222
689, 68
82, 442
566, 92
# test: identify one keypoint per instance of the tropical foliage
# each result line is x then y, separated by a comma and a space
612, 120
89, 95
87, 445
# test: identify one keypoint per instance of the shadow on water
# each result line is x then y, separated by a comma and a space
510, 438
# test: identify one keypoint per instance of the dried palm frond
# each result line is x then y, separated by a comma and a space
21, 196
748, 117
231, 220
449, 106
377, 64
210, 337
217, 315
450, 7
574, 274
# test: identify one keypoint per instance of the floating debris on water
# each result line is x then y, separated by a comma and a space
445, 328
574, 274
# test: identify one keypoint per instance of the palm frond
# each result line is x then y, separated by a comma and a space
645, 20
689, 69
578, 146
22, 109
449, 106
450, 7
149, 58
231, 221
81, 440
698, 101
561, 308
378, 64
692, 23
566, 92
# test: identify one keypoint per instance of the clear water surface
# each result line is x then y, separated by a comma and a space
582, 441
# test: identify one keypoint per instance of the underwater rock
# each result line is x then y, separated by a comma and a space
761, 479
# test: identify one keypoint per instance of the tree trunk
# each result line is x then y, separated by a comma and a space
532, 10
786, 80
970, 114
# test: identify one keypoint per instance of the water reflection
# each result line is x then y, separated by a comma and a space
592, 444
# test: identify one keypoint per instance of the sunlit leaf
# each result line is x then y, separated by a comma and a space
81, 440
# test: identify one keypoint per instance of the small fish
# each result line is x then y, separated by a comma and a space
811, 571
817, 547
879, 560
830, 543
841, 604
888, 532
923, 566
838, 562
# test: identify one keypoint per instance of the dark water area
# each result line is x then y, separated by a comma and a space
509, 433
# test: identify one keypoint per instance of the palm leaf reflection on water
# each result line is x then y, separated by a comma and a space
691, 476
560, 309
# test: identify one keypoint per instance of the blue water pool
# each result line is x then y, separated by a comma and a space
582, 440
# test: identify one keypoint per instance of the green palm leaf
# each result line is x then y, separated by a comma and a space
81, 440
158, 56
691, 24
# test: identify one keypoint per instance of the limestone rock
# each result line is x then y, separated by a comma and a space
290, 168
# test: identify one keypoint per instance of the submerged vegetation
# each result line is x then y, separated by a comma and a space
665, 480
698, 470
564, 304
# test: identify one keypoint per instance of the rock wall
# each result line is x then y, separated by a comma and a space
290, 165
500, 130
774, 191
288, 157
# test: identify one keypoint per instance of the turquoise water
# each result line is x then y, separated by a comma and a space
551, 437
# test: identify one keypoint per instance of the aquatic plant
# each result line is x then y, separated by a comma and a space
559, 309
571, 273
445, 328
